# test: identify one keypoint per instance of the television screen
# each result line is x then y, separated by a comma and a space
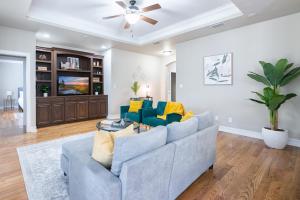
70, 85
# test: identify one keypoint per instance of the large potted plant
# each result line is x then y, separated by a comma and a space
274, 78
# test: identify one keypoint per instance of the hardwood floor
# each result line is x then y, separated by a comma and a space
245, 168
11, 123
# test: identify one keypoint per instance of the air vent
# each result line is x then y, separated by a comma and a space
217, 25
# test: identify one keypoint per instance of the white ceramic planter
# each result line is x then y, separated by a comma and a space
96, 93
275, 139
45, 94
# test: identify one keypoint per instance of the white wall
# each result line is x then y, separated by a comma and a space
22, 41
126, 67
11, 78
267, 41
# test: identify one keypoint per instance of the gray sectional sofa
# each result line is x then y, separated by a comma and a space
155, 165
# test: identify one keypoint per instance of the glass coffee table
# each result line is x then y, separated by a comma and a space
116, 125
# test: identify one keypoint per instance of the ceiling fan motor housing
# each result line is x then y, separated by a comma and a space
132, 5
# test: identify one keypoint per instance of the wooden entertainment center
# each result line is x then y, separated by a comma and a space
54, 65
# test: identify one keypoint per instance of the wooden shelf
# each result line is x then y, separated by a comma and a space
76, 71
43, 71
98, 67
44, 61
97, 74
98, 82
43, 81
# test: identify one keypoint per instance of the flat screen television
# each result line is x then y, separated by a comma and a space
71, 85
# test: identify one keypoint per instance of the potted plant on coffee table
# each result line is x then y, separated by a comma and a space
274, 78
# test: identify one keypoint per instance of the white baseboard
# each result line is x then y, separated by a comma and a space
31, 129
253, 134
113, 116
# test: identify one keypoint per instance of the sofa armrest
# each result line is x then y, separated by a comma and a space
123, 111
173, 117
147, 176
149, 112
89, 180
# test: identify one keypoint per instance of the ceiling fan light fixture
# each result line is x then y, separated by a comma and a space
132, 17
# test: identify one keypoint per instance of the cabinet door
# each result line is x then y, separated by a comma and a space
103, 108
82, 109
58, 112
70, 111
94, 108
43, 114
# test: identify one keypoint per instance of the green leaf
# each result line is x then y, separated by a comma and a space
280, 67
291, 75
259, 78
260, 96
257, 101
289, 66
276, 101
262, 63
269, 71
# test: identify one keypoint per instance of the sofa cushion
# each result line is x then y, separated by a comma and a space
104, 145
129, 147
133, 116
161, 105
178, 130
147, 104
85, 144
205, 120
153, 121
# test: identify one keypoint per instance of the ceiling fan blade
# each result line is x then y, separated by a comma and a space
122, 4
149, 20
113, 16
152, 7
127, 25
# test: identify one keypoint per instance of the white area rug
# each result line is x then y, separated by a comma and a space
40, 164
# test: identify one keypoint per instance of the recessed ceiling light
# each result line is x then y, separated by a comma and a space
166, 52
43, 35
103, 47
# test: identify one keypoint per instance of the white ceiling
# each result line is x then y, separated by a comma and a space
79, 24
174, 17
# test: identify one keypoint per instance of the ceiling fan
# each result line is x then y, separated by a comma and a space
133, 13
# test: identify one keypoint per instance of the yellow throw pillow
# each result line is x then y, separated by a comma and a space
125, 132
104, 145
103, 148
135, 106
187, 116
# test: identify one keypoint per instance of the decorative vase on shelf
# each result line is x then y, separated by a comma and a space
45, 94
96, 93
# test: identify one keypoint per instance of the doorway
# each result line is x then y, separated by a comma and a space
173, 86
171, 81
12, 81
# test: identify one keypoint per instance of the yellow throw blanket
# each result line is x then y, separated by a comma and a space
172, 107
